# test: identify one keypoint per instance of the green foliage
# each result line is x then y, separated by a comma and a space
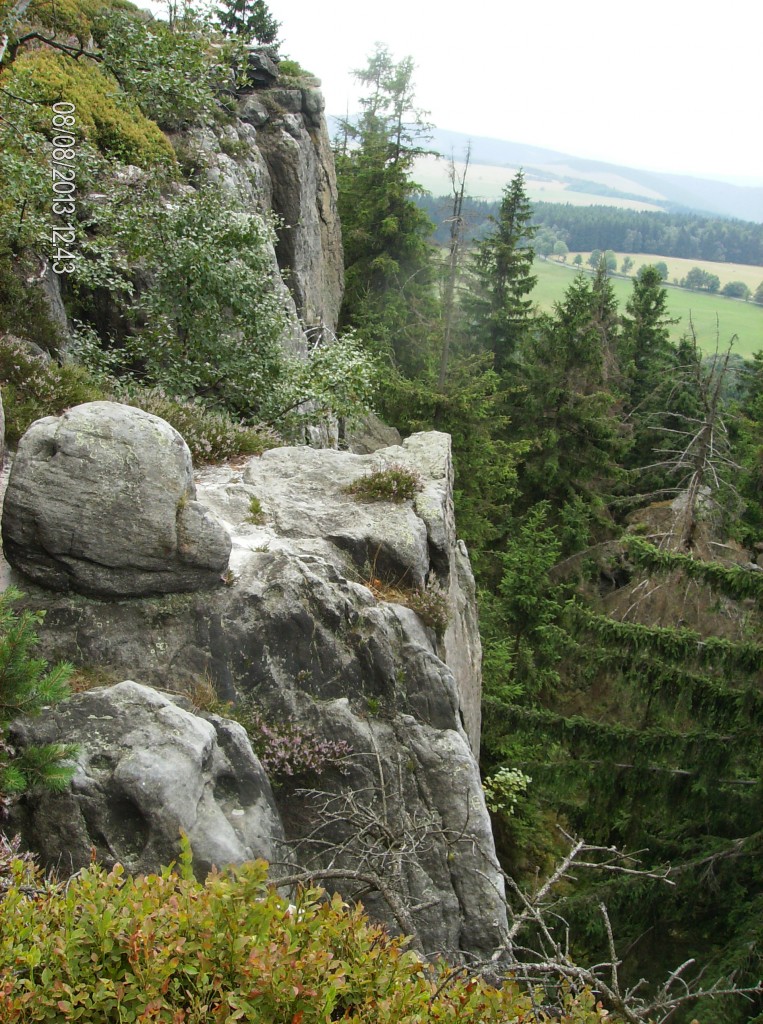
65, 17
568, 407
171, 74
112, 948
388, 260
687, 235
26, 686
33, 387
500, 307
522, 632
104, 115
256, 513
393, 482
504, 788
472, 408
736, 290
702, 280
24, 311
337, 379
734, 581
292, 69
248, 20
211, 321
645, 350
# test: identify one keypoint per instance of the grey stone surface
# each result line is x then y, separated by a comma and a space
286, 99
369, 435
146, 769
102, 501
313, 106
2, 432
252, 110
260, 69
289, 171
297, 152
301, 631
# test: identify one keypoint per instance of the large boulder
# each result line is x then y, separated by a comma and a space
102, 501
147, 769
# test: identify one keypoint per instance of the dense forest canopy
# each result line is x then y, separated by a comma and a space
585, 228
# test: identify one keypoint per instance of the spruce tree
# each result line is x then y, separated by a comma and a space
389, 266
566, 409
501, 309
248, 21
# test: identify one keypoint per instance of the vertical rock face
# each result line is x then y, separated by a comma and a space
316, 629
277, 156
295, 146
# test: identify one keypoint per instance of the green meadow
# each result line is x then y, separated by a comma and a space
715, 318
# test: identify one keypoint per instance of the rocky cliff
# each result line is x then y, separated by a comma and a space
276, 155
314, 622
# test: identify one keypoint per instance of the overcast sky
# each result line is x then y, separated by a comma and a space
666, 85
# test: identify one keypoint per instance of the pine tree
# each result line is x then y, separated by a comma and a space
501, 307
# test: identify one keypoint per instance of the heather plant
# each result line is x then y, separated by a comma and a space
287, 749
212, 435
430, 604
394, 482
33, 387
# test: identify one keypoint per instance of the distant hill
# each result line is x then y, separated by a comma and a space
553, 176
669, 191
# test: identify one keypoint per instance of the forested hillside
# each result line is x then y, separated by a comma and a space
609, 490
608, 486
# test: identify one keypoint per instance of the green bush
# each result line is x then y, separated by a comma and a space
33, 388
64, 17
393, 483
23, 309
105, 116
26, 686
165, 948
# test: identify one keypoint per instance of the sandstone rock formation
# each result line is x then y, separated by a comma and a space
276, 156
147, 769
102, 501
314, 629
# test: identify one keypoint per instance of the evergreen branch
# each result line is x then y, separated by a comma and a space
739, 582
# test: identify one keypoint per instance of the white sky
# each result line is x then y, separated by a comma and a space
666, 85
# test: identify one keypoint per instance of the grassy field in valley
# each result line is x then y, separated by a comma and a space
715, 318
